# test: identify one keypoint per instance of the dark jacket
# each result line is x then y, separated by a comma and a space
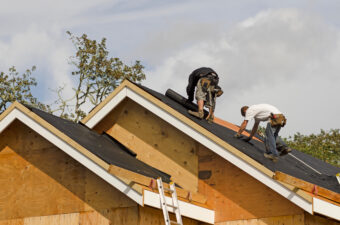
193, 79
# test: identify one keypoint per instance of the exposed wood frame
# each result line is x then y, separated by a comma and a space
19, 112
145, 181
187, 209
209, 140
309, 187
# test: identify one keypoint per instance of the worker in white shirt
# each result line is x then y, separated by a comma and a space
276, 120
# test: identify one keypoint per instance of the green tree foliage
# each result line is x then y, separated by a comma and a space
16, 87
325, 145
97, 75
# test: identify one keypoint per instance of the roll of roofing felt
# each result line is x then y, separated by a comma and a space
180, 99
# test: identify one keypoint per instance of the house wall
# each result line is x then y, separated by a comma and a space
236, 197
319, 220
279, 220
234, 194
302, 219
152, 216
38, 180
120, 216
156, 142
231, 192
40, 184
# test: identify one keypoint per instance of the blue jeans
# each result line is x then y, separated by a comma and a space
272, 140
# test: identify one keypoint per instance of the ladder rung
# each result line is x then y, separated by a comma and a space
169, 190
172, 206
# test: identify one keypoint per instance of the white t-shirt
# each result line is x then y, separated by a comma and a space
260, 112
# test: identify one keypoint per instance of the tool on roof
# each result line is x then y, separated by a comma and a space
180, 99
165, 205
304, 163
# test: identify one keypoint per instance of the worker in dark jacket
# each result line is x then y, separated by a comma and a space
206, 82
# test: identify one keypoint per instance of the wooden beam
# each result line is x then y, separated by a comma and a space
309, 187
152, 147
131, 178
135, 177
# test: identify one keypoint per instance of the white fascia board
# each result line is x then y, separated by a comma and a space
186, 209
326, 208
74, 153
106, 109
210, 144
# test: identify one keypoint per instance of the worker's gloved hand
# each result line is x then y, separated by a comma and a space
219, 93
237, 135
248, 139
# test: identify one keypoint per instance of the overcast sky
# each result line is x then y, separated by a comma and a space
285, 53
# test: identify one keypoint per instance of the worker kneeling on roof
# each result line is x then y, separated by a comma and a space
207, 90
276, 120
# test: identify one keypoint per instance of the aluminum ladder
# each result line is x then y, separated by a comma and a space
165, 205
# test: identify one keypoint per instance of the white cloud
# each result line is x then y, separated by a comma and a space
283, 54
48, 51
17, 15
284, 57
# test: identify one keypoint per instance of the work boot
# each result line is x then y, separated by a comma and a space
210, 119
285, 151
271, 157
198, 114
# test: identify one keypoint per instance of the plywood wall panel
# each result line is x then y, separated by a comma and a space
152, 216
62, 219
235, 195
155, 141
38, 179
28, 191
93, 218
124, 216
319, 220
117, 216
12, 222
100, 195
282, 220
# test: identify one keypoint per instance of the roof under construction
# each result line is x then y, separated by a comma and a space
102, 145
296, 163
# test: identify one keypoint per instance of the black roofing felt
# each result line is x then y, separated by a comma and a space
255, 149
102, 145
